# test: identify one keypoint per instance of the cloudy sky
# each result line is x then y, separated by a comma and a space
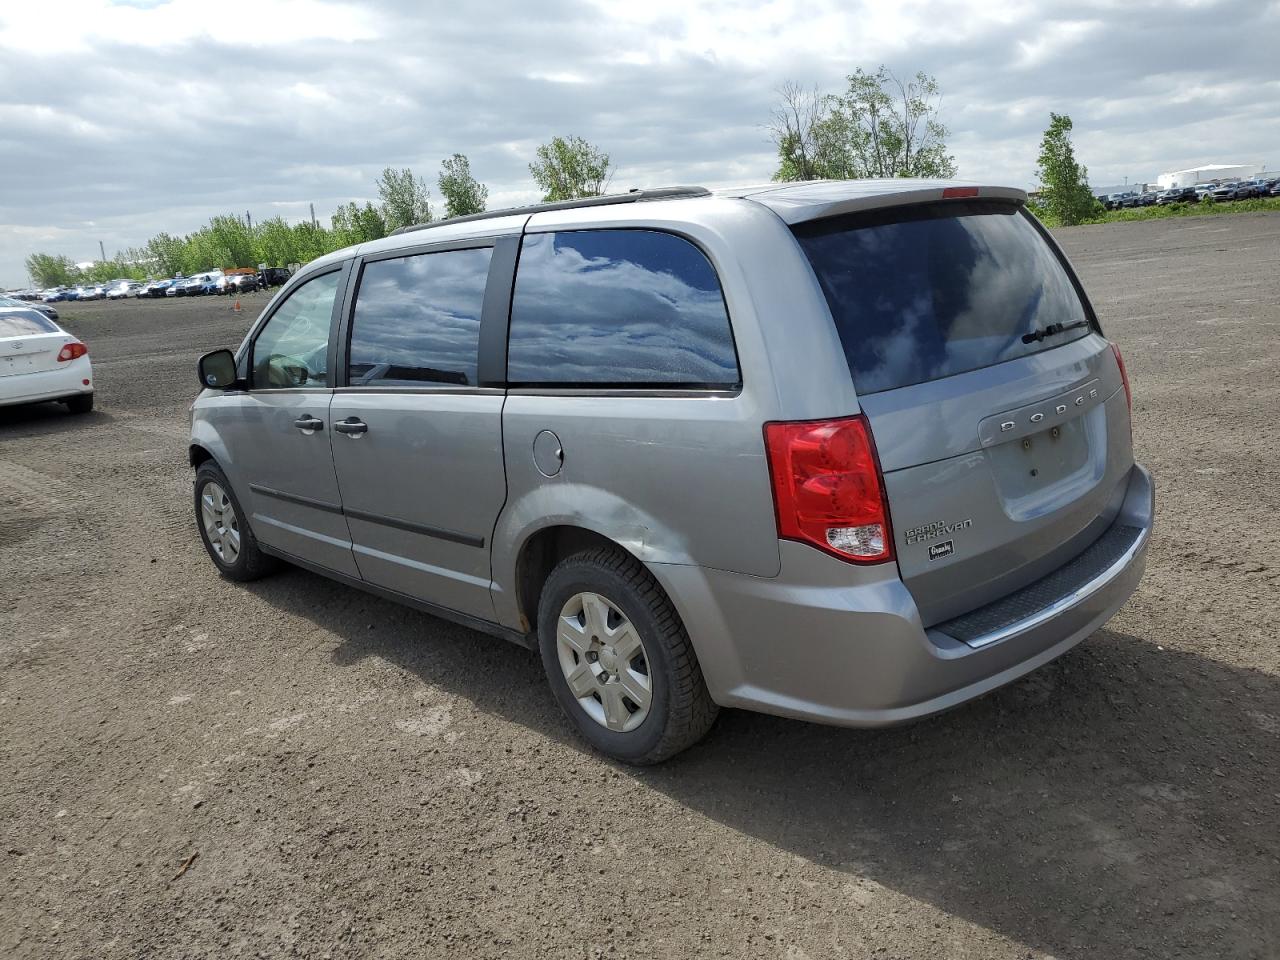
120, 120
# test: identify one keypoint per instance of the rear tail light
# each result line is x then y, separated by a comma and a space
958, 193
1124, 377
72, 351
827, 487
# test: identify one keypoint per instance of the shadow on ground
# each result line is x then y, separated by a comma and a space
46, 417
1119, 802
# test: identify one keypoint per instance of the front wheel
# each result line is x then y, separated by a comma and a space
619, 660
226, 534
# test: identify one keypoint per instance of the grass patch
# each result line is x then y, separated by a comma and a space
1201, 209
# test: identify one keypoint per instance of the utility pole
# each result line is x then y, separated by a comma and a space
313, 216
248, 220
102, 250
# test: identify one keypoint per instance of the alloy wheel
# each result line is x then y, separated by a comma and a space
604, 662
221, 525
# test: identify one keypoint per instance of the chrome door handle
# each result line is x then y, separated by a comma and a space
309, 424
352, 427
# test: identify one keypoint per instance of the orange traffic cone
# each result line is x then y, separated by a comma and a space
237, 306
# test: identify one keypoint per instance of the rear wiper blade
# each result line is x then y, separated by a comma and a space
1051, 330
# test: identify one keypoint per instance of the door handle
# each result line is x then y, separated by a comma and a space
308, 423
352, 426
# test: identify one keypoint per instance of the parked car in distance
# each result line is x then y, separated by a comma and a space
157, 288
121, 291
747, 488
187, 287
1178, 195
273, 277
198, 284
40, 361
1253, 188
1117, 200
238, 283
1223, 191
42, 308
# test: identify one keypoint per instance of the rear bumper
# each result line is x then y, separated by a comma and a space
838, 644
48, 384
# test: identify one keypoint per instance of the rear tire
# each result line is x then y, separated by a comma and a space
605, 625
224, 529
82, 403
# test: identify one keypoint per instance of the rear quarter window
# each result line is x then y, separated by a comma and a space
618, 307
919, 293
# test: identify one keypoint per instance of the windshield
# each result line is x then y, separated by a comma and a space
930, 291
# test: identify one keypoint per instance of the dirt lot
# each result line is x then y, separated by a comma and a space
356, 779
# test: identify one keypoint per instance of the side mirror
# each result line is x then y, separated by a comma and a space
217, 370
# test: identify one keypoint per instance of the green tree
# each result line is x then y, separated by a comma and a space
405, 198
105, 270
48, 270
137, 263
880, 126
463, 193
310, 241
570, 167
275, 244
1064, 192
168, 253
353, 224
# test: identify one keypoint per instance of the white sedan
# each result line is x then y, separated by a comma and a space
120, 291
41, 361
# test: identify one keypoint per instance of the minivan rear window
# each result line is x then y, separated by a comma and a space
923, 292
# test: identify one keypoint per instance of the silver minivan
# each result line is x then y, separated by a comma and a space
852, 452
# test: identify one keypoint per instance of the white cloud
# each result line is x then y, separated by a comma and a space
151, 116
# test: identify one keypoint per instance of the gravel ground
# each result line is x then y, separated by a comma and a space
194, 769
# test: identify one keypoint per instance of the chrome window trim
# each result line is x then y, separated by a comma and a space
722, 393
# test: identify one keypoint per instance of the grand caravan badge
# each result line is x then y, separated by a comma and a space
932, 531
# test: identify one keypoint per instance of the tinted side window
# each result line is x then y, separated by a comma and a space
417, 319
292, 350
627, 307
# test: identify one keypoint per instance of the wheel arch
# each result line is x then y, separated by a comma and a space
539, 554
198, 454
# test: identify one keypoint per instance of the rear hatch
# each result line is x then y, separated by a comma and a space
29, 343
998, 409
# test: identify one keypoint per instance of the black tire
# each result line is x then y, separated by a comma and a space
681, 711
250, 563
82, 403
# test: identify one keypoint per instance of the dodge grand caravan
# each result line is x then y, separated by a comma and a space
853, 452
